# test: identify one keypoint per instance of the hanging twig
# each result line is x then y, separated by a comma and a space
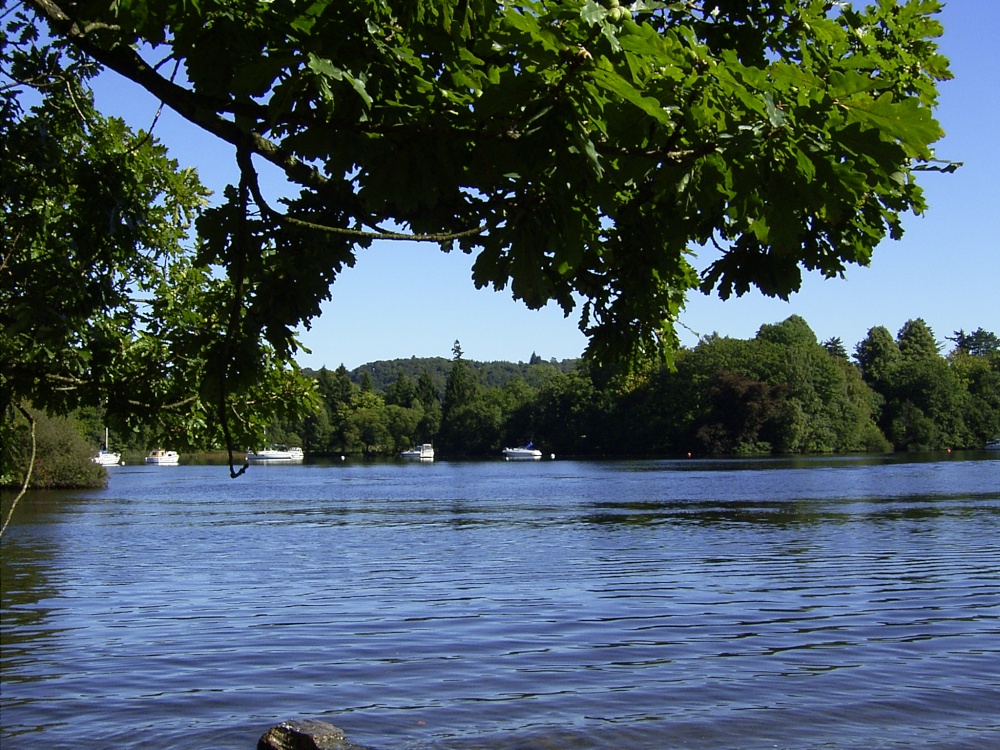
148, 135
27, 475
241, 249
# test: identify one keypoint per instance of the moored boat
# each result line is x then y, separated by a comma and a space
160, 457
993, 445
423, 452
276, 455
524, 453
105, 457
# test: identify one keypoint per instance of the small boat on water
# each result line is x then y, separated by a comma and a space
524, 453
105, 457
160, 457
993, 445
276, 455
423, 452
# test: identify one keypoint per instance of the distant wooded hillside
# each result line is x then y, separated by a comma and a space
383, 373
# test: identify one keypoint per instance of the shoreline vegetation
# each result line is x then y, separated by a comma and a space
780, 393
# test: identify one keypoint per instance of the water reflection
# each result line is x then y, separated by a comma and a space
789, 512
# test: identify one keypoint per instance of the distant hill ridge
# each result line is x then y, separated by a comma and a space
384, 372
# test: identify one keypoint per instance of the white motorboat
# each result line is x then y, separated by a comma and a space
276, 455
423, 452
993, 445
160, 457
104, 456
524, 453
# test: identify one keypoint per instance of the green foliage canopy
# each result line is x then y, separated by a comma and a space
581, 151
102, 301
930, 401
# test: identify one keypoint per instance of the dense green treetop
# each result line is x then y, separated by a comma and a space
876, 354
793, 331
916, 340
835, 346
581, 151
979, 343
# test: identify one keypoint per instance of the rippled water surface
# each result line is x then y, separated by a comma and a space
842, 603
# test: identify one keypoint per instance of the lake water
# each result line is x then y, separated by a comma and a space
800, 604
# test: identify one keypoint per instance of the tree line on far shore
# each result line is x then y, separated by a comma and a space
781, 392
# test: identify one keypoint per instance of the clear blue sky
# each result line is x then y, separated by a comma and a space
409, 299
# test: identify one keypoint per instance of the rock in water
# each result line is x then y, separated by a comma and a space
305, 734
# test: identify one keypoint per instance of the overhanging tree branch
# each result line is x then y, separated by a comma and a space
195, 108
204, 113
250, 175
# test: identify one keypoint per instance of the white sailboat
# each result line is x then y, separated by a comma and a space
104, 456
